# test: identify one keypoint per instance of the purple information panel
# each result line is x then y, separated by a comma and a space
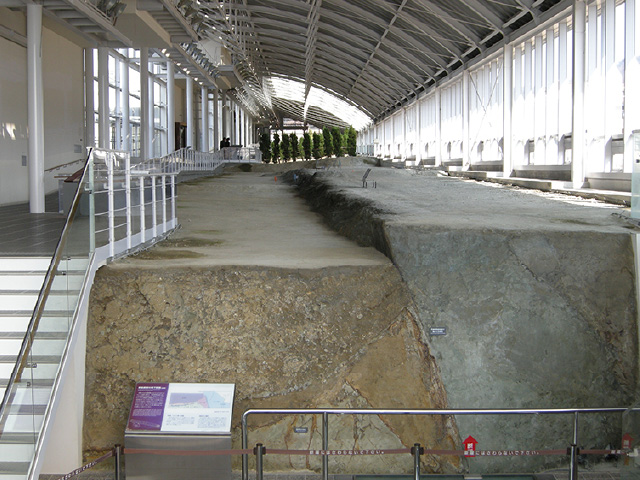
147, 409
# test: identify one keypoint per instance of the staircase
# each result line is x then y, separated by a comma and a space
21, 279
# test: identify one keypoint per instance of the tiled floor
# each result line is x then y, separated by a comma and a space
30, 234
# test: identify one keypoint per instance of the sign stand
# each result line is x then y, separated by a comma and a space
177, 417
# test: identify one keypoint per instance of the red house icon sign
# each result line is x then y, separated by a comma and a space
470, 446
627, 439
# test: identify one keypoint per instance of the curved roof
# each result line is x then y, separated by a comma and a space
376, 54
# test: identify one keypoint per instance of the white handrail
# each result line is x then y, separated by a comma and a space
188, 160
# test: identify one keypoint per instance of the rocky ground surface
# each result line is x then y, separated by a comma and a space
255, 290
536, 293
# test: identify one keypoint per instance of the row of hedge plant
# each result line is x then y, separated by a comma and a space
317, 145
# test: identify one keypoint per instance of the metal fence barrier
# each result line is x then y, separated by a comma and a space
572, 449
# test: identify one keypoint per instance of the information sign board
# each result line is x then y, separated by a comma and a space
199, 408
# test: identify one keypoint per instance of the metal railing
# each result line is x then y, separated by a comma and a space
325, 412
116, 209
187, 160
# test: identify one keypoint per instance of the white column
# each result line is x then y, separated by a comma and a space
517, 132
593, 114
507, 71
529, 100
565, 100
403, 116
465, 118
551, 122
103, 97
418, 133
216, 122
35, 117
152, 120
89, 109
610, 72
145, 153
189, 113
204, 120
247, 119
578, 135
632, 74
539, 104
171, 108
124, 103
225, 114
438, 121
236, 124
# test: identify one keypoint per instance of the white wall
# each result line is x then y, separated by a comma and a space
63, 107
13, 112
63, 79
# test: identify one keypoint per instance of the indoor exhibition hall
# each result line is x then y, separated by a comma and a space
319, 239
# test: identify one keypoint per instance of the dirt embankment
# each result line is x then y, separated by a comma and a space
255, 290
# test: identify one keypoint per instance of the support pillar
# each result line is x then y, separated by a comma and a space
103, 97
35, 101
438, 107
225, 114
418, 135
632, 73
403, 155
89, 108
234, 123
578, 133
539, 94
466, 148
124, 103
551, 122
171, 108
204, 120
152, 120
189, 113
145, 153
216, 121
507, 68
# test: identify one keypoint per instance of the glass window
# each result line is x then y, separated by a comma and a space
112, 70
134, 81
96, 95
112, 100
135, 139
134, 107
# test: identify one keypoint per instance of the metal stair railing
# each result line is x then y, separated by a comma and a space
188, 160
117, 209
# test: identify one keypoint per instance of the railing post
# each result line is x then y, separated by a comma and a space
164, 204
245, 457
574, 449
111, 213
128, 197
325, 445
117, 461
92, 203
173, 202
416, 451
154, 207
259, 451
143, 225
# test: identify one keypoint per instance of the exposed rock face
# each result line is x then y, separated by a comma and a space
339, 337
536, 317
